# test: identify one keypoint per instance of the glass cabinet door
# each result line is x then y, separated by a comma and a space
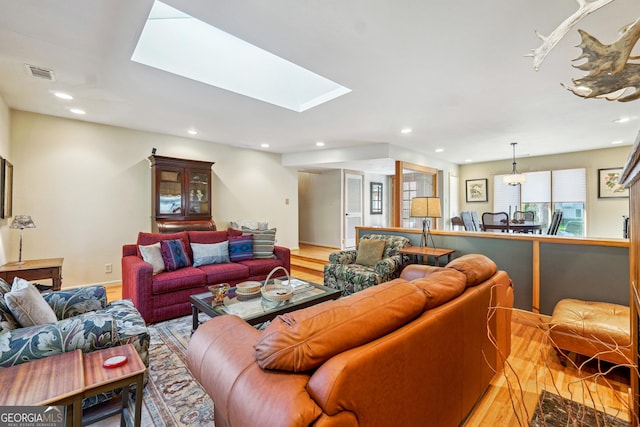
170, 192
198, 190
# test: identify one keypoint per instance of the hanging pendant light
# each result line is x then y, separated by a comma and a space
514, 178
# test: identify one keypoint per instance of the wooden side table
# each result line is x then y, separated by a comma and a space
426, 252
35, 269
98, 379
32, 383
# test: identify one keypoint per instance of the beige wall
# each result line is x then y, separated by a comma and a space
320, 207
604, 216
4, 152
88, 189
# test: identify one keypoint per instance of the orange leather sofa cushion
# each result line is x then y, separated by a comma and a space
305, 339
476, 267
441, 286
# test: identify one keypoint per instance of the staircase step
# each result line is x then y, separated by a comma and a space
314, 265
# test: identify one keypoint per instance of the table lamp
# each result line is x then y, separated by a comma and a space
426, 207
21, 222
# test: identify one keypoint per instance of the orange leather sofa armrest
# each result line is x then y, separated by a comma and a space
220, 356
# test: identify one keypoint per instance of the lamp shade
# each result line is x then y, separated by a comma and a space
22, 222
514, 179
425, 207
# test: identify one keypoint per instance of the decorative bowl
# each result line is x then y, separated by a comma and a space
219, 291
277, 292
249, 287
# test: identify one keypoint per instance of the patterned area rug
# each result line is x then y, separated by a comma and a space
171, 397
554, 411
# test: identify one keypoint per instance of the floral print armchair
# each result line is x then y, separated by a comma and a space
85, 322
344, 274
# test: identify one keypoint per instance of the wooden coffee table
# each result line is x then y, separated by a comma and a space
255, 310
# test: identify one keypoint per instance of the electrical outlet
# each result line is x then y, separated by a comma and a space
108, 268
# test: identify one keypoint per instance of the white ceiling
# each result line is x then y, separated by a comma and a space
454, 72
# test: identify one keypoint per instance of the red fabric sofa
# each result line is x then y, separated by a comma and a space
166, 295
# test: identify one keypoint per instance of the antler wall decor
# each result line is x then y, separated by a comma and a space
550, 41
612, 73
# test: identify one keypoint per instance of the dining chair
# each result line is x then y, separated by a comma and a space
467, 221
498, 221
456, 222
524, 216
556, 219
476, 221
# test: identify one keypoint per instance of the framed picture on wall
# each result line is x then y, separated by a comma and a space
608, 185
376, 198
7, 189
477, 190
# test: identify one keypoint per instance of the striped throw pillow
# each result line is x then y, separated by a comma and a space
263, 242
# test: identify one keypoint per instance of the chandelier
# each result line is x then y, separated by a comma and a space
514, 178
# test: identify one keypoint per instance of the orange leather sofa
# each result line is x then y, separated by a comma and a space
419, 350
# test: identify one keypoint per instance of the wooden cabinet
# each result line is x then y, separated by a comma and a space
181, 192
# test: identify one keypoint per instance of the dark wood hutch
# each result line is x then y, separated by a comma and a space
631, 179
181, 191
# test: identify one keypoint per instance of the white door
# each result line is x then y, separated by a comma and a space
352, 207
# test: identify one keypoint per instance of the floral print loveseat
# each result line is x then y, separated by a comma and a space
85, 322
344, 274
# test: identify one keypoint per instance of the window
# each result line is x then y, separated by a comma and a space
545, 192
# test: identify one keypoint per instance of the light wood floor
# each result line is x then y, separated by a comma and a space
532, 367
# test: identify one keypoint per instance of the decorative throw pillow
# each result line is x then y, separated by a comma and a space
370, 252
263, 242
214, 253
174, 254
27, 304
241, 248
153, 255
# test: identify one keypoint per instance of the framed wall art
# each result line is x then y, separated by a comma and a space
477, 190
7, 189
608, 185
376, 198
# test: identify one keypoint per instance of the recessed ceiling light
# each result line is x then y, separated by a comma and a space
264, 145
468, 161
319, 144
616, 142
63, 95
406, 130
77, 111
178, 43
439, 150
622, 120
192, 132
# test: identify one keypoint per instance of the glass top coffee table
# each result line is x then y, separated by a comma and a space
254, 309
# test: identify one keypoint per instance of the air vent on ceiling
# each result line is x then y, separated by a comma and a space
41, 73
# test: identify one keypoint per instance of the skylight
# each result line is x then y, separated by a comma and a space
180, 44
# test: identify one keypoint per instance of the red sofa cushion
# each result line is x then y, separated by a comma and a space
261, 267
171, 281
220, 273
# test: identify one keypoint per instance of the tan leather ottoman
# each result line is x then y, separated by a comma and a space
590, 328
